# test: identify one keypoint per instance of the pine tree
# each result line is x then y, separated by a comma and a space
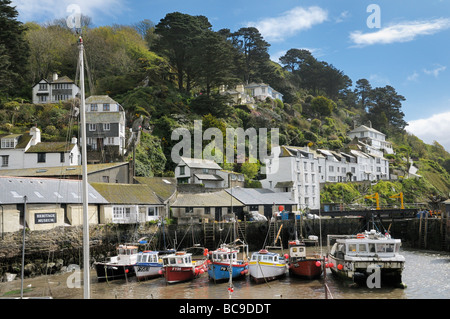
13, 52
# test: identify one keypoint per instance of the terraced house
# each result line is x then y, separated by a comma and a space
21, 151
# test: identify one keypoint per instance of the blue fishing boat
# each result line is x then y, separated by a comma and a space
220, 262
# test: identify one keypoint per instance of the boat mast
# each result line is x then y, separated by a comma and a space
86, 275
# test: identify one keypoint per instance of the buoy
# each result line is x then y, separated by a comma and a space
286, 256
126, 271
318, 263
160, 272
360, 236
340, 267
331, 265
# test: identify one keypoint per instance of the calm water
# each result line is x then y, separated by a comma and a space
426, 275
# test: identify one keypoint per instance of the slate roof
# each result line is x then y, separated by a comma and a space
132, 194
58, 171
200, 163
260, 196
100, 99
163, 187
210, 199
45, 191
208, 177
51, 147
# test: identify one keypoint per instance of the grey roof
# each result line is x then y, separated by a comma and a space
45, 191
208, 177
208, 199
100, 99
260, 196
200, 163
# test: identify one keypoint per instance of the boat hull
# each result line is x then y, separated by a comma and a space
306, 269
176, 274
147, 271
263, 272
107, 271
221, 271
360, 273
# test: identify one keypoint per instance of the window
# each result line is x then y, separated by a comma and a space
205, 171
5, 161
105, 179
152, 211
41, 157
42, 86
207, 210
92, 127
9, 143
62, 157
182, 170
106, 107
189, 210
106, 126
94, 107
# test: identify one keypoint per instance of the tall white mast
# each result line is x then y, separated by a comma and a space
86, 274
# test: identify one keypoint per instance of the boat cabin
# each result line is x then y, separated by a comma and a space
147, 257
265, 256
125, 255
224, 255
178, 259
297, 250
365, 247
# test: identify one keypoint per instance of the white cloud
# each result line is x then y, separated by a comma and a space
401, 32
47, 10
434, 128
435, 72
290, 22
343, 16
413, 77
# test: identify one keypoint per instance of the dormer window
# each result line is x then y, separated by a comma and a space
94, 107
9, 143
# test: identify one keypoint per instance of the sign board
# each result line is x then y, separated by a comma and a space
45, 218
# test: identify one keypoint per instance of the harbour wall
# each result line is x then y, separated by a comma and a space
51, 251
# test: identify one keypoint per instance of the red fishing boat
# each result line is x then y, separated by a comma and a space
301, 265
180, 267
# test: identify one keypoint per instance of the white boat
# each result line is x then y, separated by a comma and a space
266, 266
149, 264
119, 266
370, 258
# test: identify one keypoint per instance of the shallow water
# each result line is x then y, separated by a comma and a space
426, 275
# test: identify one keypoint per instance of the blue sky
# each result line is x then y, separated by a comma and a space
402, 43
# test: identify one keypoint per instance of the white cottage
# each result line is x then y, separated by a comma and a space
55, 90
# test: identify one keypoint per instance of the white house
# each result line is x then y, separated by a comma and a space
294, 170
55, 90
372, 140
249, 93
105, 129
261, 91
21, 151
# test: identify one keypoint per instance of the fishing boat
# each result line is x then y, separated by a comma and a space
120, 266
180, 267
223, 263
148, 265
300, 263
365, 255
266, 266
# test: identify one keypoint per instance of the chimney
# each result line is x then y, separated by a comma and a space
55, 76
35, 135
370, 124
74, 140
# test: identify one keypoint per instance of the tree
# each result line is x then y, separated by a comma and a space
13, 51
254, 50
322, 106
212, 61
384, 109
178, 39
362, 90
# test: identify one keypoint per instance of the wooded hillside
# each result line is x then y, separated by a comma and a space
169, 74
